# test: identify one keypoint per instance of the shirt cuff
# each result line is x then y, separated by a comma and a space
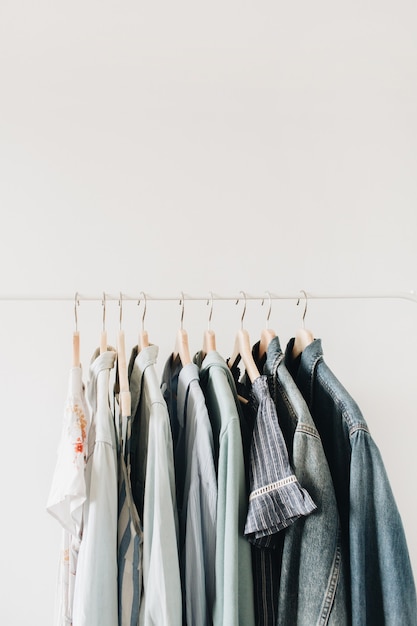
274, 507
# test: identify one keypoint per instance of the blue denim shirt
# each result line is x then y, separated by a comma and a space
313, 587
382, 585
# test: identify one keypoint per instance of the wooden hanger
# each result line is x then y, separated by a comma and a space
143, 341
303, 337
124, 393
181, 344
243, 350
103, 336
267, 334
76, 336
209, 339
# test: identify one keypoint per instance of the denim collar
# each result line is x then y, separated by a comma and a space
188, 373
302, 368
139, 361
274, 357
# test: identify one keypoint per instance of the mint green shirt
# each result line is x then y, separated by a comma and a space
234, 605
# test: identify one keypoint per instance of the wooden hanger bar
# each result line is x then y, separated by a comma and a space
411, 296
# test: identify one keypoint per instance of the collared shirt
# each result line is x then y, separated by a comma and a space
130, 531
234, 604
197, 484
153, 482
313, 549
95, 595
382, 583
68, 492
169, 389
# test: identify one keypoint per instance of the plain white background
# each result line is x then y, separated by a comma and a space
197, 147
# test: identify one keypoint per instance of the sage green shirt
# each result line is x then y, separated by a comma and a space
234, 604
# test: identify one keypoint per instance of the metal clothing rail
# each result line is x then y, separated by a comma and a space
211, 296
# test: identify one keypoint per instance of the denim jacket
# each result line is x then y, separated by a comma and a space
313, 588
382, 585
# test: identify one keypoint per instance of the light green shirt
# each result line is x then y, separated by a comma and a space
234, 604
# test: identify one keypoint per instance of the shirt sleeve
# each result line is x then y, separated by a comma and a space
276, 498
68, 490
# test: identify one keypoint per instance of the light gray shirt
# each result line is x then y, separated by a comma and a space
95, 594
198, 480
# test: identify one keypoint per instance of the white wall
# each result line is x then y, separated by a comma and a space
200, 146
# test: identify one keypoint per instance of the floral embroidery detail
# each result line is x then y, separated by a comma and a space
78, 446
77, 425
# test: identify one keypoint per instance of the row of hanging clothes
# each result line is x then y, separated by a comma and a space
233, 491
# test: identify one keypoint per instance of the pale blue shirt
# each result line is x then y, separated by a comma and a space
95, 594
161, 600
197, 484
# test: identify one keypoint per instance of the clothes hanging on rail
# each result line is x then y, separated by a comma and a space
225, 502
382, 586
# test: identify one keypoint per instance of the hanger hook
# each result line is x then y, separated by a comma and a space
182, 308
244, 308
143, 294
269, 308
305, 305
210, 301
121, 309
76, 303
103, 302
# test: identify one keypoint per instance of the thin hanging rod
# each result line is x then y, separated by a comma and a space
407, 295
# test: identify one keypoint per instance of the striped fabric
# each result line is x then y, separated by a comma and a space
130, 539
276, 498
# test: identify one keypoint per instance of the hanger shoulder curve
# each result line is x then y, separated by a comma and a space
303, 338
243, 350
267, 335
76, 349
181, 347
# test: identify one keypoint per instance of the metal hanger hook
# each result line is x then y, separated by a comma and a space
103, 302
143, 294
244, 308
76, 303
210, 301
182, 308
268, 315
305, 305
121, 309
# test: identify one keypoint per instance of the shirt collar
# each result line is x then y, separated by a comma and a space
188, 373
274, 357
99, 363
141, 360
302, 368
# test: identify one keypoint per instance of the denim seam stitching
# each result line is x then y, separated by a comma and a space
332, 587
308, 430
354, 429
